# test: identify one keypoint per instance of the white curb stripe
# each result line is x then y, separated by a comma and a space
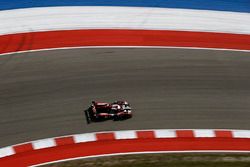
241, 134
44, 143
204, 133
165, 133
130, 134
7, 151
87, 137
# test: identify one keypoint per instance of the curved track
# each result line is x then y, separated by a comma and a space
43, 94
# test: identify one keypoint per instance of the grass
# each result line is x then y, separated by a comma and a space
162, 160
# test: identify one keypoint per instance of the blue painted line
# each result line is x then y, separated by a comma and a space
220, 5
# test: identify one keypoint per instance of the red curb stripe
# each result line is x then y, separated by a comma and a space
123, 146
105, 136
23, 148
145, 134
220, 133
145, 141
184, 133
64, 140
77, 38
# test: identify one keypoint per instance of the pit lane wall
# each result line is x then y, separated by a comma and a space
35, 25
123, 142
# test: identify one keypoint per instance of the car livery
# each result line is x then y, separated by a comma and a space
118, 110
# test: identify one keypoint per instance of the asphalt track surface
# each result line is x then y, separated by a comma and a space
43, 94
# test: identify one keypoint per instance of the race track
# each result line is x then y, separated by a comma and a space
43, 94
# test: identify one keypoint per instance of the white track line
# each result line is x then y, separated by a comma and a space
143, 47
147, 152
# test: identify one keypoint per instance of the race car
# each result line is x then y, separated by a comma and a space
117, 110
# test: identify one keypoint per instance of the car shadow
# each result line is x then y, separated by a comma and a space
87, 117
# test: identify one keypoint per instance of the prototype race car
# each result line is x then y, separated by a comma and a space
118, 110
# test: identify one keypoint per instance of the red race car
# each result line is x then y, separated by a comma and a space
119, 110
